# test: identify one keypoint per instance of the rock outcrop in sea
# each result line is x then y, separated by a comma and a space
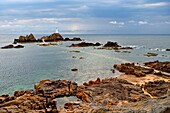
12, 46
55, 37
85, 44
27, 38
52, 38
115, 46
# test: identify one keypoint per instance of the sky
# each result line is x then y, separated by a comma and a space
85, 16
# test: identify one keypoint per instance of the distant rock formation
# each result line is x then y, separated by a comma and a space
52, 38
111, 44
85, 44
12, 46
74, 39
27, 38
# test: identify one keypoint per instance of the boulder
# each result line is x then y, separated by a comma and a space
74, 69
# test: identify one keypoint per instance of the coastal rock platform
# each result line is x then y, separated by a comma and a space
116, 95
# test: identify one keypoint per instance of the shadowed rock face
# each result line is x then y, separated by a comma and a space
84, 44
162, 66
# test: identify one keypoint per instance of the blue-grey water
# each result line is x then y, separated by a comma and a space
22, 68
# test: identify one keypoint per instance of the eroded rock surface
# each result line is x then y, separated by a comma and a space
55, 88
131, 68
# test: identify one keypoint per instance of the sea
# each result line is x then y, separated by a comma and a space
20, 69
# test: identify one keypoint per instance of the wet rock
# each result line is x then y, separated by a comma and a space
150, 54
55, 88
167, 49
75, 51
126, 48
84, 44
74, 39
11, 46
19, 46
113, 71
74, 69
7, 47
112, 44
162, 66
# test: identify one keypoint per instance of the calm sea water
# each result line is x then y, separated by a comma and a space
22, 68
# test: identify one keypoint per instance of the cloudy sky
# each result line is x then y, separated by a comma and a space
85, 16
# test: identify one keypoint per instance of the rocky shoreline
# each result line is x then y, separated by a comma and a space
116, 95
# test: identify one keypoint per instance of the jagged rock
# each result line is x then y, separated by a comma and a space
157, 88
27, 38
22, 92
162, 66
28, 103
85, 44
55, 88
